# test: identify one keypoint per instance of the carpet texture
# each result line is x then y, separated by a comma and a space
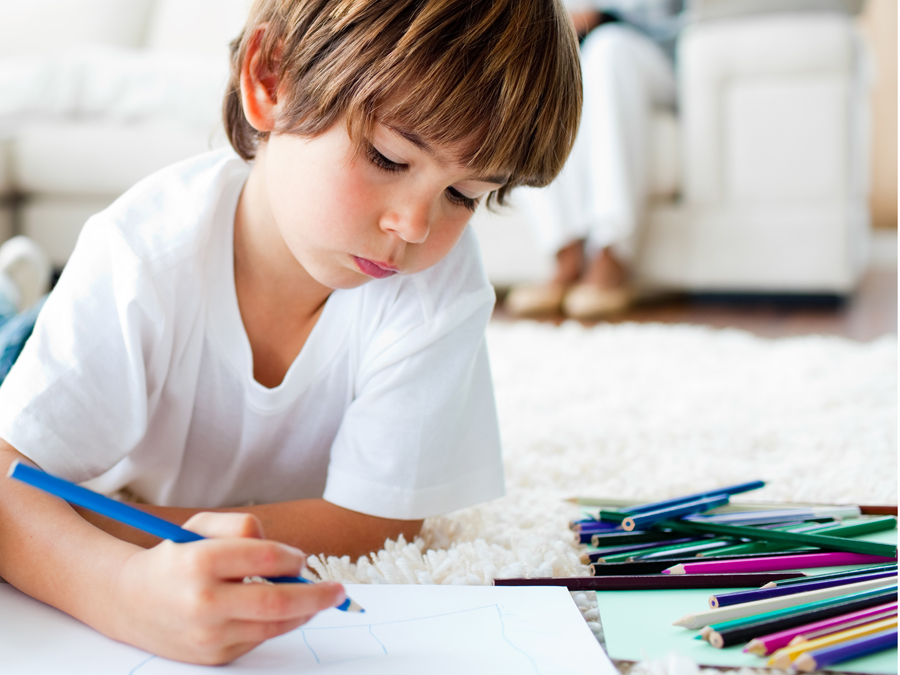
649, 412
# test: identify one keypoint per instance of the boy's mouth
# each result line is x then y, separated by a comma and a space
374, 269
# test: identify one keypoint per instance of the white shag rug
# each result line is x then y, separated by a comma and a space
651, 411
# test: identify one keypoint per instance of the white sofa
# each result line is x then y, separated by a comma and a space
759, 183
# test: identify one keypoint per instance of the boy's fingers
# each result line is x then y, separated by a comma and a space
255, 632
279, 602
225, 525
236, 558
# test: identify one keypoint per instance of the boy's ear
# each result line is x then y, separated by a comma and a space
259, 86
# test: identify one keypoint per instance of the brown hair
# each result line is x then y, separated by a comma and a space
504, 73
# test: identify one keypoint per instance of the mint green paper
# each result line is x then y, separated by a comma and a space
637, 626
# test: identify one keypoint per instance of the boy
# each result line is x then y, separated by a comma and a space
296, 341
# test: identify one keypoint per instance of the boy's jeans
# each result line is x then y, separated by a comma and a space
15, 329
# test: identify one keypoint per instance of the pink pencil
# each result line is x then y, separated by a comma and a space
766, 644
772, 563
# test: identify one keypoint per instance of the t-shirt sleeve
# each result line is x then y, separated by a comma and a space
76, 400
421, 437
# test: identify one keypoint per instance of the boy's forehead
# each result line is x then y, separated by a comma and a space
453, 152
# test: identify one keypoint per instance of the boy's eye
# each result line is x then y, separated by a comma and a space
456, 197
383, 162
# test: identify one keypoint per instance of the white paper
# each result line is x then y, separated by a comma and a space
458, 630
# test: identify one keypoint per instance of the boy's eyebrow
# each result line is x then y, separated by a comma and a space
423, 145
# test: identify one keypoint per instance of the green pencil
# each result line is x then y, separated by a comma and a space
853, 529
829, 543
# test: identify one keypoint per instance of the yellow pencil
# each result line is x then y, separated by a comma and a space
785, 656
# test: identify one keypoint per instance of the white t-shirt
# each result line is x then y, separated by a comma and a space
139, 373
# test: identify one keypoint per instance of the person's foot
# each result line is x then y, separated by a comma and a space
546, 298
602, 291
25, 271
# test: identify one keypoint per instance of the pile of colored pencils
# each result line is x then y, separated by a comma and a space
799, 621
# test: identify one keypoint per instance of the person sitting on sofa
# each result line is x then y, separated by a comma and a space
589, 215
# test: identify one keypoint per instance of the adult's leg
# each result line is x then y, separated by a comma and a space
626, 76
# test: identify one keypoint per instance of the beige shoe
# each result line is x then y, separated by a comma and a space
589, 301
535, 299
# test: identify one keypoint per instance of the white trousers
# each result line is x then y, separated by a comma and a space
601, 193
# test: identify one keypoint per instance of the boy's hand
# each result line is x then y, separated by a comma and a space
188, 601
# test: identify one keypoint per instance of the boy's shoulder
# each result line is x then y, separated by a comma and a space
168, 216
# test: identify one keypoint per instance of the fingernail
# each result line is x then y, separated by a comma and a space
294, 551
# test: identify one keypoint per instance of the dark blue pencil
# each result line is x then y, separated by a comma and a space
738, 597
730, 490
75, 494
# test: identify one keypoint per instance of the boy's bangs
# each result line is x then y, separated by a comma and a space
493, 91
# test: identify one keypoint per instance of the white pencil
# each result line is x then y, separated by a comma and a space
701, 619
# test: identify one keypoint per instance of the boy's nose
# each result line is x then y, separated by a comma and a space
409, 221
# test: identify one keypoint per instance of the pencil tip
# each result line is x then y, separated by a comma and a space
675, 569
12, 468
771, 584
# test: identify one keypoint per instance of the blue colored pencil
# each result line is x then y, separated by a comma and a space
738, 597
648, 518
844, 651
730, 490
75, 494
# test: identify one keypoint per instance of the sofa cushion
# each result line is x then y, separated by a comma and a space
32, 26
101, 157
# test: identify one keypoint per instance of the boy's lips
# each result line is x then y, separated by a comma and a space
374, 269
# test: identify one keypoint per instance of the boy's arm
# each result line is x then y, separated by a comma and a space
182, 601
312, 525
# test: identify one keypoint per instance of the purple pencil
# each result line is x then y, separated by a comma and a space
827, 656
737, 597
772, 563
766, 644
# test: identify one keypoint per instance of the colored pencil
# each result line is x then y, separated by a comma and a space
887, 567
833, 529
766, 644
748, 609
641, 582
657, 566
844, 603
738, 597
783, 657
597, 542
673, 548
828, 656
810, 635
618, 537
771, 563
748, 628
796, 538
666, 503
776, 516
624, 504
649, 518
128, 515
